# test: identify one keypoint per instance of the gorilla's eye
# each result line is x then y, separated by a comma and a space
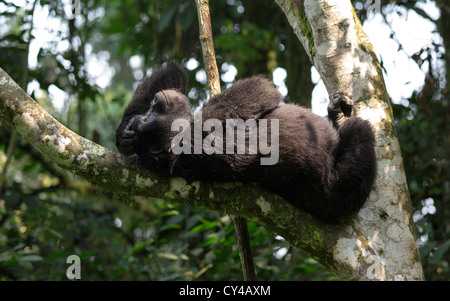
154, 100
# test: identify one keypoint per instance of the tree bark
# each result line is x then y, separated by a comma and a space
206, 39
379, 243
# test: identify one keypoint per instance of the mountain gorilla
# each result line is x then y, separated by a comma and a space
326, 168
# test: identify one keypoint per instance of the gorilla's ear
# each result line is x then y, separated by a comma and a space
171, 76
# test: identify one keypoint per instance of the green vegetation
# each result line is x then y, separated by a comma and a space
46, 214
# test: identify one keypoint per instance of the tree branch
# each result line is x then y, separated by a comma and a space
378, 243
209, 58
115, 172
206, 39
383, 233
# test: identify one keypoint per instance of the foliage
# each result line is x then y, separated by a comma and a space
47, 214
423, 131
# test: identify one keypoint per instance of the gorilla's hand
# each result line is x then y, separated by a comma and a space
128, 137
340, 109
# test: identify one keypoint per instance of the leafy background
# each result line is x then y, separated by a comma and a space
46, 214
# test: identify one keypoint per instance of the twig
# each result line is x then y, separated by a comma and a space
206, 39
245, 251
212, 72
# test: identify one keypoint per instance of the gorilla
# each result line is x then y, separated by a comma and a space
326, 167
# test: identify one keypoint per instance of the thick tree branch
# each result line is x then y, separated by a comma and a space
383, 233
378, 243
115, 172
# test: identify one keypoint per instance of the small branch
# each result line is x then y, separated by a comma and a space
245, 251
206, 39
209, 58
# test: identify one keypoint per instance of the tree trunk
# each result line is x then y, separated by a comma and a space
379, 243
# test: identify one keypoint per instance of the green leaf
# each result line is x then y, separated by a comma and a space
5, 256
175, 219
19, 247
167, 16
57, 234
426, 249
139, 246
25, 264
3, 239
56, 255
209, 241
87, 254
427, 227
171, 212
169, 227
204, 227
30, 258
441, 250
170, 256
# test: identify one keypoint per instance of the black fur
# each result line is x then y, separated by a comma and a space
326, 171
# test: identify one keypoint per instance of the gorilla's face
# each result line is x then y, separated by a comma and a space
154, 127
171, 101
167, 105
157, 102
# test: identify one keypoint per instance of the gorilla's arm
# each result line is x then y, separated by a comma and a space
172, 76
250, 98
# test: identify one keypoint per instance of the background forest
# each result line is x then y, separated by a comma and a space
84, 70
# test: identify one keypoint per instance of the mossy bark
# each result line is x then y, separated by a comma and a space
379, 242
